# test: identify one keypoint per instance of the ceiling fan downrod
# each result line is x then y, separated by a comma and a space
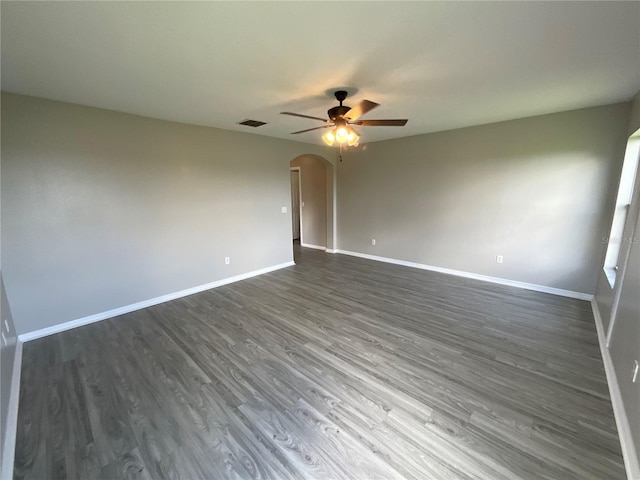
337, 113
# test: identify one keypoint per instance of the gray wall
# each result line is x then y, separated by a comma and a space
102, 209
313, 179
8, 358
538, 191
625, 338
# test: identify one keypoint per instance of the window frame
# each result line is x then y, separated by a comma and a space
624, 198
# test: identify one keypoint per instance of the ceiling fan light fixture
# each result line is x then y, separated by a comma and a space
342, 134
329, 138
352, 138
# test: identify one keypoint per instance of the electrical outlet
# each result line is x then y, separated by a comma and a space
284, 209
373, 241
227, 260
499, 259
635, 371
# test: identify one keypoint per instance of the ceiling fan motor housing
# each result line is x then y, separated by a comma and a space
337, 113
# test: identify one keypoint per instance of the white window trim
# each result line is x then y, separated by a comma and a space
615, 240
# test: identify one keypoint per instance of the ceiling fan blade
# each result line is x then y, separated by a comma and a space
304, 116
309, 129
363, 107
382, 123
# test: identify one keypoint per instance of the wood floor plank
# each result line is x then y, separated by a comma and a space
338, 367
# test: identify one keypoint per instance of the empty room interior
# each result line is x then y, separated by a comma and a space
320, 240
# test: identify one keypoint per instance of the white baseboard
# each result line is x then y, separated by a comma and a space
309, 245
11, 427
25, 337
331, 250
475, 276
631, 463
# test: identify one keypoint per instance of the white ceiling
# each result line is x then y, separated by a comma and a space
442, 65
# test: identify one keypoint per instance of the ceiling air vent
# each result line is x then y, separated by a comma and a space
252, 123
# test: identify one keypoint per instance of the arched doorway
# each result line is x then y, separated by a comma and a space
314, 202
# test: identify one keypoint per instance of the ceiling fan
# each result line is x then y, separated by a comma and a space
342, 117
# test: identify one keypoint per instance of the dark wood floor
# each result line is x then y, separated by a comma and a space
338, 367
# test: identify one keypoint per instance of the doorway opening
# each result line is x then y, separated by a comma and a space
313, 202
